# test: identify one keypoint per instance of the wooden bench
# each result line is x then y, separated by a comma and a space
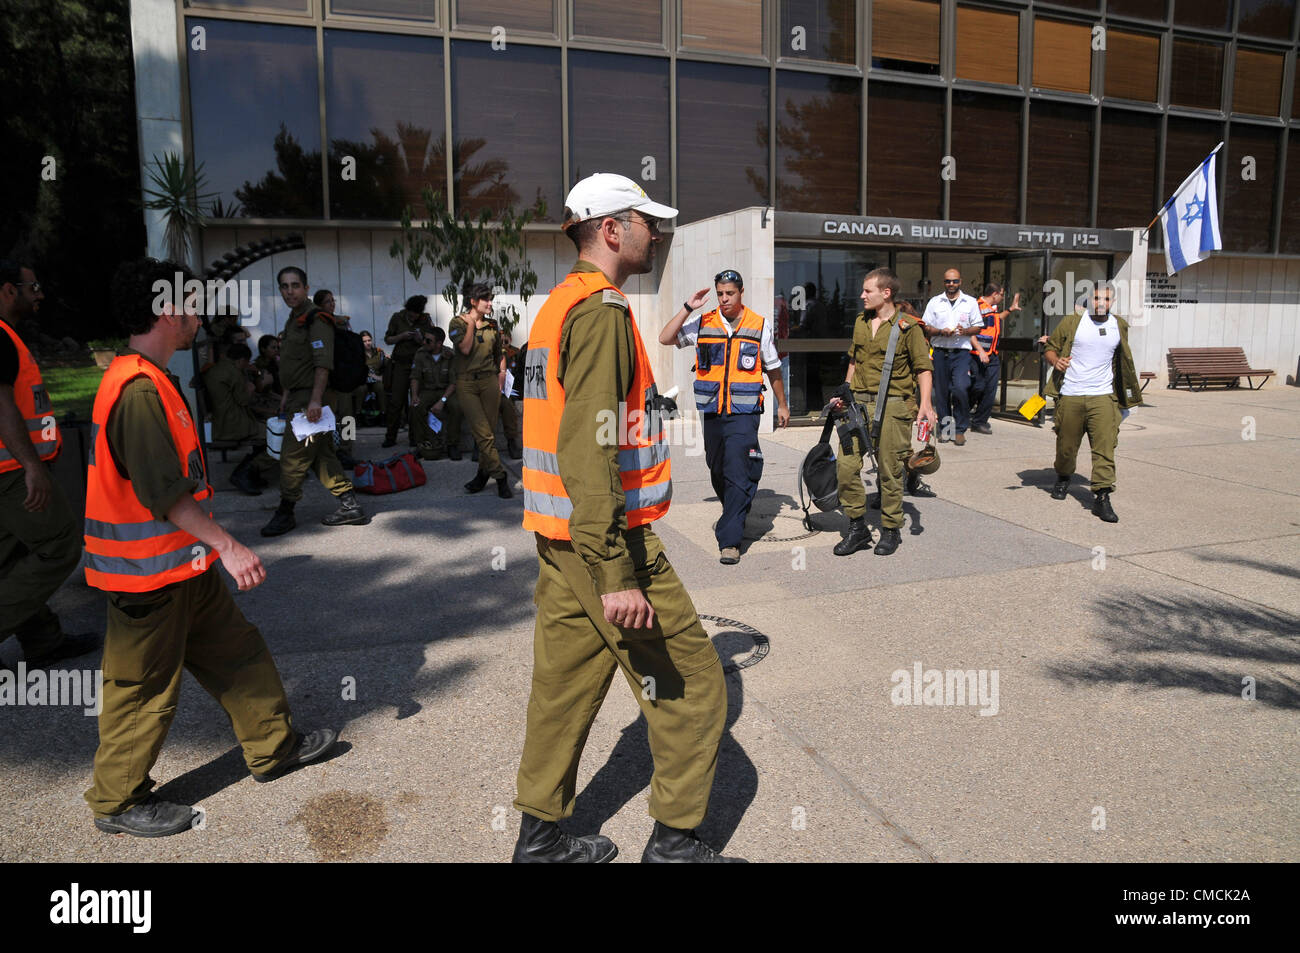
1147, 378
1212, 365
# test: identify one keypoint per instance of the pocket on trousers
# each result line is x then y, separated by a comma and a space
754, 464
674, 611
135, 644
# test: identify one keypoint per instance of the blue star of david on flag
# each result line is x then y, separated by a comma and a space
1190, 220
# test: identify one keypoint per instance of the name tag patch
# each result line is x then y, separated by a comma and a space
318, 344
613, 297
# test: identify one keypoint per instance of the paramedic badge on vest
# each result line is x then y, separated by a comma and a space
747, 362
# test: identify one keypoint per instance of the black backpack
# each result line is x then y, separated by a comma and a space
350, 370
817, 473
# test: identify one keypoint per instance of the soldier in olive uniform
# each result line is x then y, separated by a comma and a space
306, 359
911, 368
433, 389
479, 364
405, 333
344, 404
234, 418
608, 600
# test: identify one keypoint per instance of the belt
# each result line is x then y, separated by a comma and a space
476, 374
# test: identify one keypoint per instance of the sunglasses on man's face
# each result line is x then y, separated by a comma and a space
952, 281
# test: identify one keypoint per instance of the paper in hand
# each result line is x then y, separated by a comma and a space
303, 428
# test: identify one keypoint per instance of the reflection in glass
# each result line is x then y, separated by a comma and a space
290, 6
987, 186
987, 41
723, 26
1197, 78
722, 121
1132, 65
1206, 14
398, 9
255, 115
619, 118
506, 119
1126, 174
384, 110
535, 15
818, 142
1257, 82
640, 21
1062, 56
1250, 226
819, 30
1291, 200
904, 147
1146, 9
1267, 18
1060, 164
905, 35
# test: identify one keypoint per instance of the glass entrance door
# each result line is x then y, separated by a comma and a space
1023, 273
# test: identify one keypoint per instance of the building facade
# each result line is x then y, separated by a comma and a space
1022, 141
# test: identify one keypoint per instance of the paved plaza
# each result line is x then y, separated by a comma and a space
1111, 662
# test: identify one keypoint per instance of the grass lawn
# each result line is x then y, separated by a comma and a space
72, 389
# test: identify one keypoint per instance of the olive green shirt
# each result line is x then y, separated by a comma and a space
484, 356
267, 366
227, 387
434, 375
142, 446
911, 356
401, 322
307, 345
597, 358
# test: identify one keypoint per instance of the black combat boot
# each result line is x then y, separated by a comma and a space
917, 487
1101, 507
282, 521
243, 478
1061, 488
152, 817
889, 540
503, 487
542, 842
671, 845
476, 484
454, 452
513, 448
348, 513
859, 538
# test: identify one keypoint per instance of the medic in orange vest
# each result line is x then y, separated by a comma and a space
733, 349
986, 368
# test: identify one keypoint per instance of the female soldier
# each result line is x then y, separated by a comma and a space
478, 365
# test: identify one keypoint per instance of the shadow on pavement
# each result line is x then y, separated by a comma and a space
1148, 641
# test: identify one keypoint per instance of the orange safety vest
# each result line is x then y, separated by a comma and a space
729, 367
127, 550
33, 406
644, 467
992, 326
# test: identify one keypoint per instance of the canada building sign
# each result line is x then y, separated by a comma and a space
908, 231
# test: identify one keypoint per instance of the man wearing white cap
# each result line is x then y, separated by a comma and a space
596, 475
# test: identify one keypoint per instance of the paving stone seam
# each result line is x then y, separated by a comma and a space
791, 735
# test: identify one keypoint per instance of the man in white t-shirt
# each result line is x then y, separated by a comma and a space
954, 316
1094, 379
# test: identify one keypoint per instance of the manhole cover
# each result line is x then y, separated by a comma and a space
731, 639
774, 536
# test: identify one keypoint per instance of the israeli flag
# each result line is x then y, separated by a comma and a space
1190, 220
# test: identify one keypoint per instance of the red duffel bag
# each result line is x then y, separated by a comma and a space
389, 476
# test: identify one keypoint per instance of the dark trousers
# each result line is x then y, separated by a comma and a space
984, 387
735, 467
399, 399
952, 386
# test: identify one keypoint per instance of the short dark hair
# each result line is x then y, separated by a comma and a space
439, 335
238, 350
416, 303
132, 294
584, 234
265, 341
992, 288
477, 292
302, 275
885, 280
729, 276
11, 271
319, 296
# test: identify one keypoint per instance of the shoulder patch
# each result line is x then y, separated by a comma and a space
615, 297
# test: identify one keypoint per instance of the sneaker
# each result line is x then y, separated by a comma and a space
729, 555
671, 845
307, 749
152, 817
959, 440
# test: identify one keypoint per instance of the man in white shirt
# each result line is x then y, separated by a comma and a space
734, 350
954, 317
1094, 379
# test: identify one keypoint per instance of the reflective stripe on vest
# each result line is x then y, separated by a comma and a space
729, 367
34, 407
643, 455
992, 327
127, 548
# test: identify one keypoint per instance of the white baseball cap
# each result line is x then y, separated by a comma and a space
606, 193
